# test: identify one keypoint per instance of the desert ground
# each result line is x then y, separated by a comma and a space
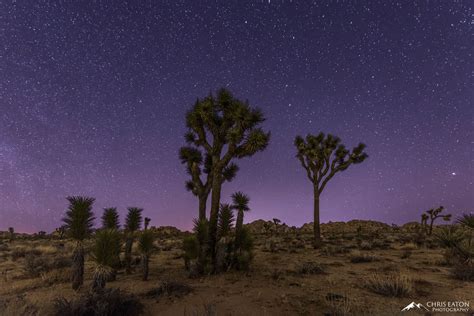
287, 276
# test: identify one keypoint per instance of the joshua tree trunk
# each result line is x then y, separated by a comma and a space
145, 260
128, 254
213, 217
431, 227
202, 206
316, 229
239, 222
78, 266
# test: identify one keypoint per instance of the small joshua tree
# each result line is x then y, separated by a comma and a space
226, 219
105, 254
424, 222
147, 222
434, 214
322, 157
146, 248
61, 231
79, 221
11, 230
132, 224
110, 218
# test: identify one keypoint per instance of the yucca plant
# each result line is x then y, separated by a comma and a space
132, 224
146, 248
467, 221
110, 218
105, 255
226, 218
241, 204
79, 221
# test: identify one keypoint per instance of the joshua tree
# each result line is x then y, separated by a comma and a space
241, 204
145, 246
467, 220
132, 224
11, 230
434, 214
105, 254
424, 221
225, 128
110, 218
79, 221
322, 157
147, 222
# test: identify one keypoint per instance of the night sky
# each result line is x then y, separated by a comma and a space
93, 98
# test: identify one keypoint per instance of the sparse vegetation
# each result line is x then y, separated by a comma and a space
146, 248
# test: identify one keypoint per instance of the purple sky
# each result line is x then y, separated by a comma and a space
93, 97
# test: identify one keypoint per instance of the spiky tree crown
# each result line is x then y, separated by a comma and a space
434, 213
110, 218
240, 201
79, 219
145, 242
106, 248
226, 218
228, 121
323, 156
134, 219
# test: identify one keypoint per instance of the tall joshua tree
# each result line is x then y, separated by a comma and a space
105, 254
133, 223
79, 221
224, 128
241, 204
110, 218
322, 157
147, 222
145, 246
434, 214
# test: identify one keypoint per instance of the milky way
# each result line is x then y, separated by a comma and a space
93, 98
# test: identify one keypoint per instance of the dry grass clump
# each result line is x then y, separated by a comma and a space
34, 266
310, 268
170, 289
18, 306
363, 258
392, 285
339, 305
107, 302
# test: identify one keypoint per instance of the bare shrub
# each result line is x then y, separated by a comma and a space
363, 258
170, 288
339, 305
310, 268
106, 302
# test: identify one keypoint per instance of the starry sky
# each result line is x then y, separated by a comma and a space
93, 96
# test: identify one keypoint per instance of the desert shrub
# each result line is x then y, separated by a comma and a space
18, 306
331, 250
339, 305
106, 302
362, 258
34, 266
463, 271
18, 253
169, 288
366, 245
55, 276
277, 274
406, 254
310, 268
60, 262
393, 285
